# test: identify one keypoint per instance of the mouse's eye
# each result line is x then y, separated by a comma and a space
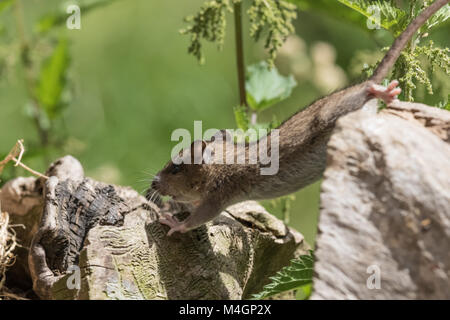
175, 169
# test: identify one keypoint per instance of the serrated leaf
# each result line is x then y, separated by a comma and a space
333, 9
390, 17
52, 79
265, 86
439, 17
297, 275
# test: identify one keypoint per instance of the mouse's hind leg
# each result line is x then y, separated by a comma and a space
387, 94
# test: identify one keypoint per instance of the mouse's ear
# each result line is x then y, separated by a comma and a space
197, 148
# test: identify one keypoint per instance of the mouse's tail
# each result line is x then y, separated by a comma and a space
399, 44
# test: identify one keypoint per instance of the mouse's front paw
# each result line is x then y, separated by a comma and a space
173, 224
387, 94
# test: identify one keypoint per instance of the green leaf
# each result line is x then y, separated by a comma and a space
304, 292
390, 16
355, 11
298, 274
332, 9
52, 79
59, 17
241, 117
49, 21
439, 17
4, 4
248, 128
445, 104
265, 86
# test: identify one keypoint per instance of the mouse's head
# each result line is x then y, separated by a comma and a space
183, 177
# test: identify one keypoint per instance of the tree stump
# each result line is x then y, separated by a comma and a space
110, 237
384, 229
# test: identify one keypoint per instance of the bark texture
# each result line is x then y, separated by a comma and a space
109, 236
385, 207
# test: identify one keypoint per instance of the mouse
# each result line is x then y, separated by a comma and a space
199, 179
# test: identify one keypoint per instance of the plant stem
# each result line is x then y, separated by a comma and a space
27, 65
27, 168
254, 118
240, 53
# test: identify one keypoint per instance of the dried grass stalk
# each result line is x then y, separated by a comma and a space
7, 245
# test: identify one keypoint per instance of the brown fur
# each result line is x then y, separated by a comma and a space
302, 151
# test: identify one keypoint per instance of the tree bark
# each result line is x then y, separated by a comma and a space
384, 229
110, 237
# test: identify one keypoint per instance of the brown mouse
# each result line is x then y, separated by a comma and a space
203, 182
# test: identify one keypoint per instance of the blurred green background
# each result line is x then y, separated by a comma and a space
134, 83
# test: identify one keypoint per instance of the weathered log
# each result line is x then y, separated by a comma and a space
384, 230
112, 235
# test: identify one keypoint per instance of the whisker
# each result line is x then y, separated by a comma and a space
158, 198
145, 176
151, 173
153, 196
142, 191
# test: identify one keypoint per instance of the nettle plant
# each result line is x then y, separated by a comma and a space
262, 87
41, 51
422, 58
421, 63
